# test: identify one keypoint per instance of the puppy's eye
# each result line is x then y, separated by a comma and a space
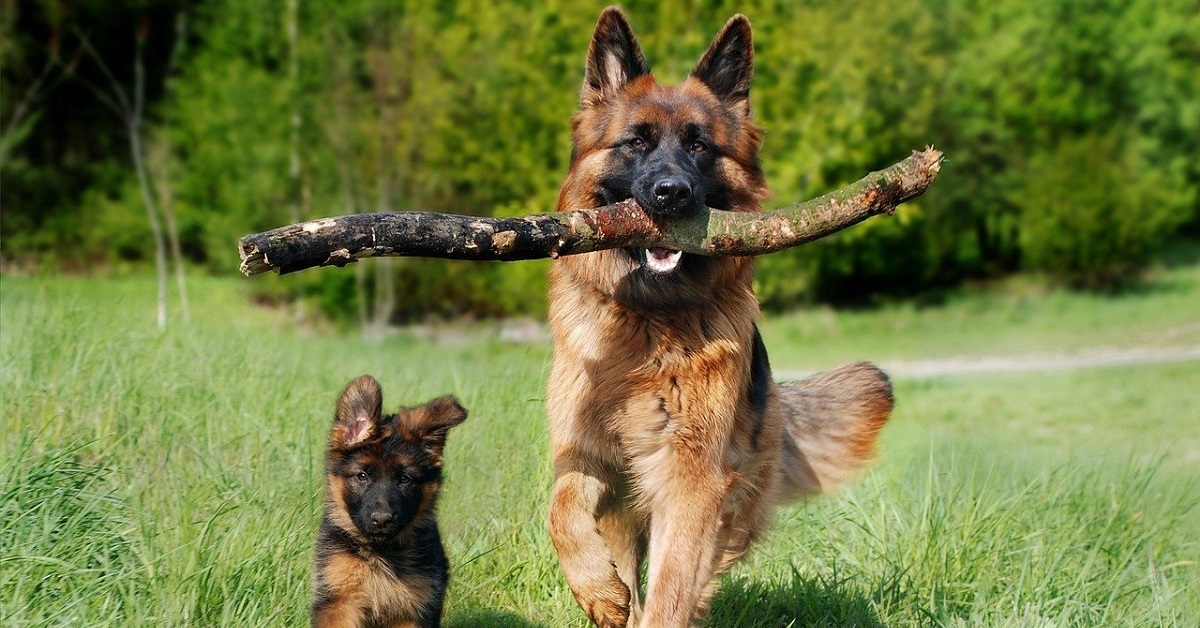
405, 478
699, 146
637, 143
362, 476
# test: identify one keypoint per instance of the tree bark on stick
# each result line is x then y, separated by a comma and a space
341, 240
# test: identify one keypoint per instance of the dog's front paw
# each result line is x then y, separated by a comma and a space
607, 606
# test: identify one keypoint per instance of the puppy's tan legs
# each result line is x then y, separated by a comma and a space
597, 548
343, 614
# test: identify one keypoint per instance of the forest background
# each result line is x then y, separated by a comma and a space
1071, 129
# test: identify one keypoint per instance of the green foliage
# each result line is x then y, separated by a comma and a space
1027, 78
1082, 221
439, 289
464, 106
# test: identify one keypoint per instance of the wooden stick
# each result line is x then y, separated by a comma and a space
340, 240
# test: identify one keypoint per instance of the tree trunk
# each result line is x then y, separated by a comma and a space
295, 180
344, 239
156, 232
293, 38
160, 172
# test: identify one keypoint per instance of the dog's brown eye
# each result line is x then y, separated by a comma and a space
637, 143
362, 476
699, 147
405, 478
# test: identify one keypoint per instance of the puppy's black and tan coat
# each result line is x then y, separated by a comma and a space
379, 556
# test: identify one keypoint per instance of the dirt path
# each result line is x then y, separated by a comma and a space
970, 365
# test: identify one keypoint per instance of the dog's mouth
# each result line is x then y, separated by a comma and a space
660, 261
382, 536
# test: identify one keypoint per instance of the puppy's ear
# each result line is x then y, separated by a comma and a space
431, 422
358, 412
614, 58
728, 66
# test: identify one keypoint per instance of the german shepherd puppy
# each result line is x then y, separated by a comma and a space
671, 443
379, 556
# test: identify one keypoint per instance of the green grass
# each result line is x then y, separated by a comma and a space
173, 478
1024, 318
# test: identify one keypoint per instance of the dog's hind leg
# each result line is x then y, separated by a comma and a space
597, 544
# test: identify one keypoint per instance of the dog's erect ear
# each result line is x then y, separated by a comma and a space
728, 65
614, 58
358, 412
431, 422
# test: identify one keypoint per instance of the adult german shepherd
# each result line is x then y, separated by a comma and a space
379, 556
671, 442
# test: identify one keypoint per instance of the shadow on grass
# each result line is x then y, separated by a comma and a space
798, 601
490, 619
790, 601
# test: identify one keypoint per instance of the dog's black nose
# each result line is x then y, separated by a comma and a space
380, 519
672, 192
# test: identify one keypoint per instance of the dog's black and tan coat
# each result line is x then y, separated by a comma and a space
671, 443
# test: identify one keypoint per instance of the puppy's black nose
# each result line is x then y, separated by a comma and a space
380, 519
672, 192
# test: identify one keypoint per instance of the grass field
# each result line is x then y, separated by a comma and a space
173, 478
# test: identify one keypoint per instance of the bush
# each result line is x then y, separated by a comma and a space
882, 258
1091, 211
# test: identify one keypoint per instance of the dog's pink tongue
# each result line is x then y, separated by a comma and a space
662, 260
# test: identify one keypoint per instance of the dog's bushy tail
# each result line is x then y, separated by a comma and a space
830, 422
